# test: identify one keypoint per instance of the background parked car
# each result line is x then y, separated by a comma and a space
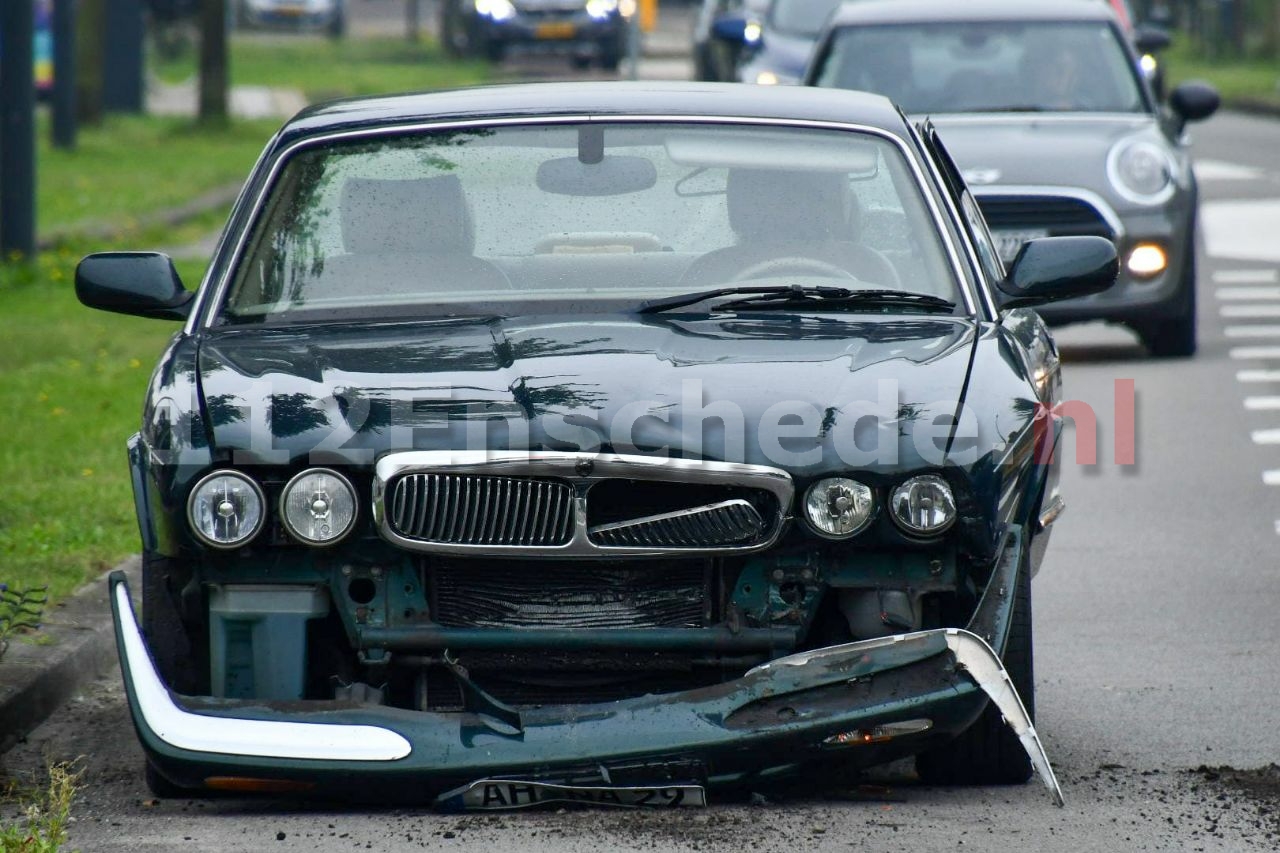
1046, 112
327, 15
774, 49
586, 30
715, 55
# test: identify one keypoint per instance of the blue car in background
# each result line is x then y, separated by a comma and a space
776, 48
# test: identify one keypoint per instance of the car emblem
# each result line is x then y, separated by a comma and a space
980, 177
584, 467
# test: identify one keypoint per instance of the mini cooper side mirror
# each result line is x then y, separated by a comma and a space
140, 283
731, 29
1052, 268
1150, 38
1194, 100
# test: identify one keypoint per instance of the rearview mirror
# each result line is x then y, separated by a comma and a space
1194, 100
1148, 38
144, 284
731, 29
1052, 268
617, 175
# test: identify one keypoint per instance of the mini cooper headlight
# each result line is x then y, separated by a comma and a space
923, 505
318, 507
838, 507
225, 509
498, 10
1141, 171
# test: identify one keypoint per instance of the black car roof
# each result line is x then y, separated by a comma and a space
604, 98
917, 11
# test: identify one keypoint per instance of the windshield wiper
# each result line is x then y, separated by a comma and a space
796, 291
805, 297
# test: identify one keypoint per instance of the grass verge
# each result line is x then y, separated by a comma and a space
325, 68
1244, 83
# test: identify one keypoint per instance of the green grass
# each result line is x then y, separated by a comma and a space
71, 389
135, 165
1242, 82
325, 68
46, 812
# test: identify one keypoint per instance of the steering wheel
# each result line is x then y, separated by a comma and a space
775, 266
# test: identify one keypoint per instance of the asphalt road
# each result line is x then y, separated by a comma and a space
1156, 634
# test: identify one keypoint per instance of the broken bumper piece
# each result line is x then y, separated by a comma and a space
860, 704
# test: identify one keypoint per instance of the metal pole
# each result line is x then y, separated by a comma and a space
122, 78
17, 129
64, 73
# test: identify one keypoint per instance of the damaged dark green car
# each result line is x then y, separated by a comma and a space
611, 443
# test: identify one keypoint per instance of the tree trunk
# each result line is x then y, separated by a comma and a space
213, 61
90, 49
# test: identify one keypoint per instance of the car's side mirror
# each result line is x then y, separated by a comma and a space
1194, 100
730, 28
140, 283
1051, 268
1149, 38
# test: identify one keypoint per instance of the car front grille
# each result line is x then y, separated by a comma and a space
537, 594
470, 509
568, 505
1059, 215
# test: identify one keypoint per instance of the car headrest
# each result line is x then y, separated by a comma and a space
425, 215
789, 205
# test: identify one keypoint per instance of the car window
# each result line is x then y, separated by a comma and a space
960, 67
801, 17
582, 217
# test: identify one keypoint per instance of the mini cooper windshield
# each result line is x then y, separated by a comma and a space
986, 66
584, 217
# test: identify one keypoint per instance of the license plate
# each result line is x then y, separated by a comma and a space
289, 11
557, 30
501, 794
1009, 242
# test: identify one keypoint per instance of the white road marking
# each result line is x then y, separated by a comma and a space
1271, 478
1241, 311
1265, 436
1242, 230
1245, 294
1258, 375
1249, 353
1252, 331
1246, 276
1220, 170
1262, 404
1278, 527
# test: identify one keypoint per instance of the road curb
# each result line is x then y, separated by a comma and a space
77, 644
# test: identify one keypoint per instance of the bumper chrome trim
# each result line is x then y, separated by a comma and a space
983, 665
228, 735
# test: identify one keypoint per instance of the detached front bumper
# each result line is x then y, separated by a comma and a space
858, 704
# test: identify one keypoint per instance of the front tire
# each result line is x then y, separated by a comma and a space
1175, 337
988, 752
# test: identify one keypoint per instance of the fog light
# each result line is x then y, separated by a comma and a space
923, 505
766, 78
878, 734
318, 507
837, 507
225, 509
1146, 260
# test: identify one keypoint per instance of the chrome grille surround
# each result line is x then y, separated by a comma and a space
579, 471
1059, 210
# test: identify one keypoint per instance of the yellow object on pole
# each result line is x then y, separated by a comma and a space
648, 15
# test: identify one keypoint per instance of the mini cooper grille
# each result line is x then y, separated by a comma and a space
727, 523
1059, 215
511, 594
469, 509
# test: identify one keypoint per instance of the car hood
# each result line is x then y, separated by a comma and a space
352, 392
1042, 149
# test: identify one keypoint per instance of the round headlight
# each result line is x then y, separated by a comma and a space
1141, 171
225, 509
318, 507
923, 505
838, 507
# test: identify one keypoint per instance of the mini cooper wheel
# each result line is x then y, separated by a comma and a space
1175, 337
988, 752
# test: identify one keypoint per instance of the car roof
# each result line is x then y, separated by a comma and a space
604, 99
916, 11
